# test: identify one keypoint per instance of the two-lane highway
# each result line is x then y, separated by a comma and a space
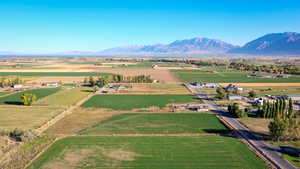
271, 154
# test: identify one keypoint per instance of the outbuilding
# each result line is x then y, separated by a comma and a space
234, 97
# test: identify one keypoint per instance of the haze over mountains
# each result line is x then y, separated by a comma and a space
287, 43
277, 44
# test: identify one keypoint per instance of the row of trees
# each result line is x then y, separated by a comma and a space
104, 80
278, 69
8, 82
285, 125
279, 107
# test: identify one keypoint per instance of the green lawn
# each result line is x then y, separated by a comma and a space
209, 152
227, 76
40, 93
160, 123
129, 102
53, 74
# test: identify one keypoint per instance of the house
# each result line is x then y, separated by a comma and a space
51, 84
18, 86
294, 97
205, 85
234, 97
198, 107
231, 87
282, 76
191, 107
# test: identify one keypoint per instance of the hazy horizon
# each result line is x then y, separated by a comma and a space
32, 26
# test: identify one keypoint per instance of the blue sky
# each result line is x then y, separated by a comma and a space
42, 26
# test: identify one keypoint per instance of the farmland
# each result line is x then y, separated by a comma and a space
65, 97
53, 74
27, 117
227, 76
129, 102
160, 123
16, 100
149, 152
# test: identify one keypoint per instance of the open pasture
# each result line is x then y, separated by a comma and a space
228, 76
158, 123
129, 102
15, 99
65, 97
209, 152
26, 117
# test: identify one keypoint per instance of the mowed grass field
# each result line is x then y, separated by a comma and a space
53, 74
157, 123
26, 117
129, 102
15, 99
227, 76
209, 152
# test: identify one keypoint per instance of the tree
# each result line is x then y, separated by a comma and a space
276, 129
27, 99
92, 81
252, 94
220, 93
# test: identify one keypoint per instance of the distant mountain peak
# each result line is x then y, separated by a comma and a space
194, 45
286, 43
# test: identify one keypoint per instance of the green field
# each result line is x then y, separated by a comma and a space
129, 102
3, 93
16, 98
227, 76
160, 123
284, 90
209, 152
53, 74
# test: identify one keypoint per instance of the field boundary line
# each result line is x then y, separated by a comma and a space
141, 135
63, 114
41, 152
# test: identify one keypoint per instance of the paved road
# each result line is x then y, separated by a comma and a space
270, 153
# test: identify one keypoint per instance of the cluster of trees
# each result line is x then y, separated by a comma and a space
278, 69
27, 99
102, 81
8, 82
285, 125
279, 107
235, 110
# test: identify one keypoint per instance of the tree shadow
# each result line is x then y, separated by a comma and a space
89, 91
14, 102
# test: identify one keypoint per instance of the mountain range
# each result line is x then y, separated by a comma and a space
287, 43
276, 44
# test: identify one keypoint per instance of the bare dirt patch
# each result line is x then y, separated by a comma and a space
120, 154
161, 75
70, 160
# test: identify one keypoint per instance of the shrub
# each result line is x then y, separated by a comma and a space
22, 135
27, 99
277, 129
